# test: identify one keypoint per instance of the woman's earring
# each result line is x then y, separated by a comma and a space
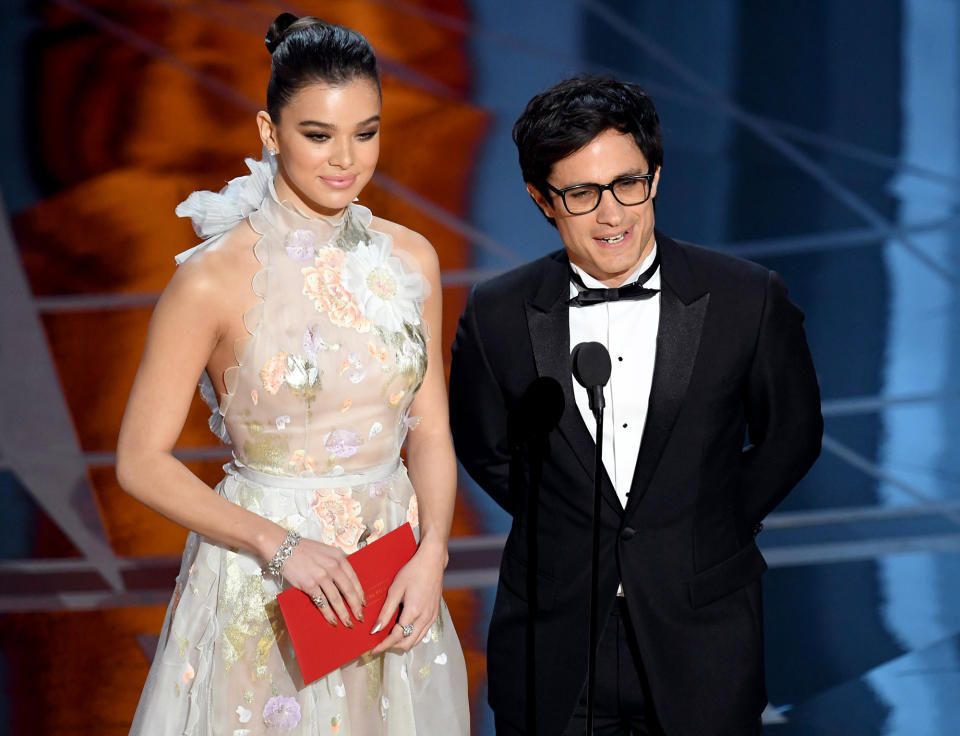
272, 151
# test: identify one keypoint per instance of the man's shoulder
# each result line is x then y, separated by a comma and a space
710, 268
713, 259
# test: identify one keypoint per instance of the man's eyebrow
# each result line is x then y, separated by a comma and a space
636, 171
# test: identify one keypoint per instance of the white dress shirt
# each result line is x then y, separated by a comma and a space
628, 330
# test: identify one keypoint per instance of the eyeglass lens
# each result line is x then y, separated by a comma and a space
627, 192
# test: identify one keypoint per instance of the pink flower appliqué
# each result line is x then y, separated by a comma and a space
301, 462
342, 443
349, 535
331, 258
323, 284
274, 373
339, 517
282, 713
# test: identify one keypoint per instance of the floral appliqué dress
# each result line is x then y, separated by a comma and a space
316, 411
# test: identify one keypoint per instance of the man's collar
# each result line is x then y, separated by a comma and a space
591, 283
676, 272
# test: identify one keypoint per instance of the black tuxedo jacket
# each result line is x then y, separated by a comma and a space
731, 362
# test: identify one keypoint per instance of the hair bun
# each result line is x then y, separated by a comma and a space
277, 30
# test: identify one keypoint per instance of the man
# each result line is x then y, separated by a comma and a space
706, 350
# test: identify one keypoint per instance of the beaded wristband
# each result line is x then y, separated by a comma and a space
275, 566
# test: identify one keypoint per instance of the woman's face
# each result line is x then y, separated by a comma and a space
327, 143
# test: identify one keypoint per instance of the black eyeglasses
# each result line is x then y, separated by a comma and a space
583, 198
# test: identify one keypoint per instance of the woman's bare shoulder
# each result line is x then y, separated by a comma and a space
216, 273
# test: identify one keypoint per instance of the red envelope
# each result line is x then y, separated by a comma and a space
322, 648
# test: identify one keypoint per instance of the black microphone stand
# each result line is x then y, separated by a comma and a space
596, 405
591, 368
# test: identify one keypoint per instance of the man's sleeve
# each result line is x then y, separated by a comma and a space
782, 406
478, 412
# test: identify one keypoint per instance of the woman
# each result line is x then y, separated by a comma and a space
308, 318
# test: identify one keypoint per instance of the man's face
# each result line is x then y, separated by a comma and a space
610, 242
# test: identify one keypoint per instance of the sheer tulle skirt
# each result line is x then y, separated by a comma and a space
224, 663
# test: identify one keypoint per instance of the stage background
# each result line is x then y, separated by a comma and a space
818, 138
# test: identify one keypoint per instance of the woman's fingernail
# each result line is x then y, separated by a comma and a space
360, 617
376, 628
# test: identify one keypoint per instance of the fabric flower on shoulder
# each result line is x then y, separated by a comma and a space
386, 294
213, 213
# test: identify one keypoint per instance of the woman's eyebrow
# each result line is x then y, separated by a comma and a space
331, 126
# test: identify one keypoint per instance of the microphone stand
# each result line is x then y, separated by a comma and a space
596, 405
591, 368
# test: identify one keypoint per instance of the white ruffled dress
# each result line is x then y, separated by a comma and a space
316, 411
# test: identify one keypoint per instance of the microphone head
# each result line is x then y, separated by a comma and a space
591, 364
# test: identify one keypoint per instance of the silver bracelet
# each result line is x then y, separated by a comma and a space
275, 566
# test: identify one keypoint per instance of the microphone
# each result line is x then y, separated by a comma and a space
591, 368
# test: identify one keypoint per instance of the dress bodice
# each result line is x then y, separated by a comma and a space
336, 347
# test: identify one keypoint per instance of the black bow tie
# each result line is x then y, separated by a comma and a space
634, 290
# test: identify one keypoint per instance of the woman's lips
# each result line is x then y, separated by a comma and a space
339, 182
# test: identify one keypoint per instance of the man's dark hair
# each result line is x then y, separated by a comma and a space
569, 115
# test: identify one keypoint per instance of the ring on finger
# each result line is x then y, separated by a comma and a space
408, 630
319, 601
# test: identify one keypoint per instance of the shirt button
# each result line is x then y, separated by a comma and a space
624, 425
620, 358
627, 533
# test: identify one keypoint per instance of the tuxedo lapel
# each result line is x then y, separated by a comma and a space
549, 326
683, 307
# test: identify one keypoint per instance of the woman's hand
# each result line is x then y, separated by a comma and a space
324, 573
417, 586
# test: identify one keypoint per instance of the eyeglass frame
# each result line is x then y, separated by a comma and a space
601, 188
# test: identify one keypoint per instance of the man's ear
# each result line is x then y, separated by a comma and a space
653, 184
542, 202
268, 131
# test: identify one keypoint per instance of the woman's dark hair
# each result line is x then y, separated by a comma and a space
308, 50
569, 115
